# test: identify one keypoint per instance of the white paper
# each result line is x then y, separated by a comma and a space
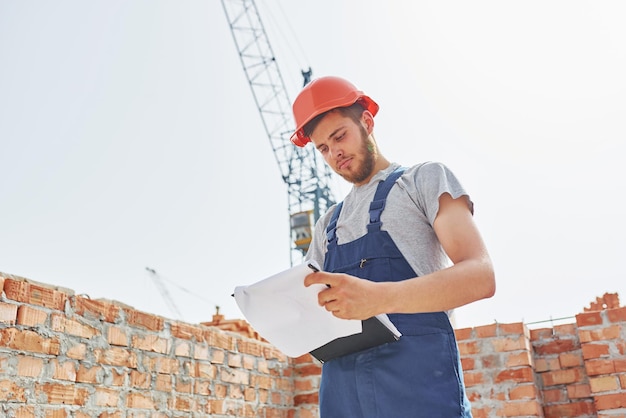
387, 322
286, 313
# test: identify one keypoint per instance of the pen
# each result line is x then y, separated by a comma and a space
315, 269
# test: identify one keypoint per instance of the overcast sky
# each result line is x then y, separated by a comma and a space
129, 138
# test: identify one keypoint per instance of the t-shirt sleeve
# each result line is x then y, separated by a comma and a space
317, 248
433, 179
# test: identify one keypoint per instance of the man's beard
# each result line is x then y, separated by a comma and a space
368, 151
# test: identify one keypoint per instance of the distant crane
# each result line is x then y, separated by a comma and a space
307, 179
164, 292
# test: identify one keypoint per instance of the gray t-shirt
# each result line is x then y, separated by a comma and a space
408, 216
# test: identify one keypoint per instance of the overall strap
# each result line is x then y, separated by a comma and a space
331, 229
376, 207
378, 204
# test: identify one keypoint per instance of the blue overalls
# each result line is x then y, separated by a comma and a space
417, 376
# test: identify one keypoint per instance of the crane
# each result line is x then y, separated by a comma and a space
164, 292
307, 178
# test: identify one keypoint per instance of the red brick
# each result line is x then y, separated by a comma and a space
610, 401
250, 347
599, 366
181, 403
305, 385
556, 395
539, 334
486, 331
25, 340
263, 382
510, 343
473, 379
593, 351
306, 399
62, 394
545, 364
521, 408
62, 324
118, 378
116, 356
603, 384
96, 309
518, 359
588, 319
556, 347
8, 313
208, 371
55, 412
578, 391
63, 370
183, 386
149, 342
234, 360
140, 380
523, 392
107, 397
30, 316
77, 351
575, 409
145, 320
249, 362
186, 331
202, 388
117, 336
565, 330
140, 400
182, 348
28, 366
617, 315
562, 377
483, 412
202, 351
600, 334
25, 412
26, 292
517, 328
570, 360
467, 348
467, 363
163, 382
523, 374
310, 370
86, 374
219, 339
162, 364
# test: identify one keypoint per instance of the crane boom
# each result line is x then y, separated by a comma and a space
164, 292
307, 179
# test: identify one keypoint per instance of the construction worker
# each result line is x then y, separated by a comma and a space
409, 232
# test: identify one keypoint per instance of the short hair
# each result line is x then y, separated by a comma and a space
354, 112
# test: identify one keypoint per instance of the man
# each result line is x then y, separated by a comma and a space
410, 234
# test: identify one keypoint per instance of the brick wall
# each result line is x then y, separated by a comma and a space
572, 370
64, 355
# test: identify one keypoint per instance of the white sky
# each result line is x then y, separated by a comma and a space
129, 138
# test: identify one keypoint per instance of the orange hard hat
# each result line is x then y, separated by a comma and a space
322, 95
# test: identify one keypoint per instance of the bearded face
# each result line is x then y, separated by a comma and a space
366, 158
